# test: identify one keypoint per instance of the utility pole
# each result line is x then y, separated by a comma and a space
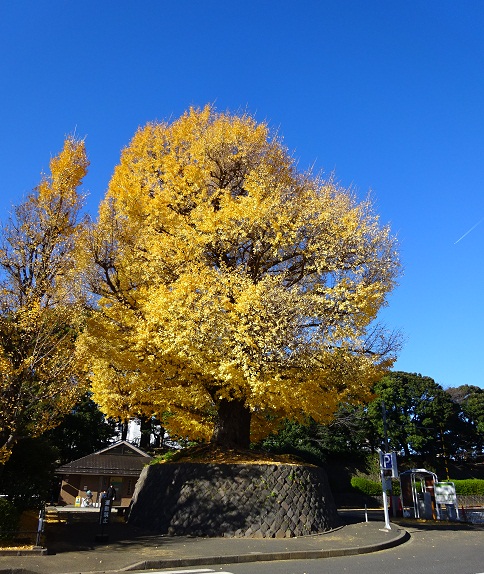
385, 427
446, 462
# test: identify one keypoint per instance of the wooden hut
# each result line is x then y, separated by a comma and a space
119, 464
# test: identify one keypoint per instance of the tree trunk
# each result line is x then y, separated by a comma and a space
124, 430
145, 427
158, 435
232, 427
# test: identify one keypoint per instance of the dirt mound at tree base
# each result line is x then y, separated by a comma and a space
209, 453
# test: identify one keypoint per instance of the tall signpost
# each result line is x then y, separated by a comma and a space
104, 516
388, 470
388, 467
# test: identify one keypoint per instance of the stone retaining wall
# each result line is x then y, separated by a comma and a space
236, 500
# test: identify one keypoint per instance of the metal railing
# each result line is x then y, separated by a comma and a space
24, 537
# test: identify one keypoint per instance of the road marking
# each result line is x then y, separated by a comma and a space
199, 571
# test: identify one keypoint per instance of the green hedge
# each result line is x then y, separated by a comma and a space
469, 486
372, 487
9, 519
366, 486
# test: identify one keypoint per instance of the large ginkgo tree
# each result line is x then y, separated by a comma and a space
233, 290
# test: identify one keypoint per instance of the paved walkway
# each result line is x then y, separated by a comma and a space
73, 549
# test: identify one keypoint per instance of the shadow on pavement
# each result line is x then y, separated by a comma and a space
352, 516
81, 536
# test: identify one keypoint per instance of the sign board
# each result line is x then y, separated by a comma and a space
105, 511
445, 493
388, 461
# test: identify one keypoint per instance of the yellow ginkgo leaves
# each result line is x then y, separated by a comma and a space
41, 312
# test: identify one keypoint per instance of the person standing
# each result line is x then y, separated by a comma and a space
111, 493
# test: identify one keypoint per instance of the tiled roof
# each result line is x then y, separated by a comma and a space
119, 460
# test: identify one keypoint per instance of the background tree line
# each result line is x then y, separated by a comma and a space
425, 424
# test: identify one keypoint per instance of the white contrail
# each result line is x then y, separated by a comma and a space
471, 229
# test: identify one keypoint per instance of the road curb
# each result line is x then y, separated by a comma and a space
402, 537
38, 551
398, 535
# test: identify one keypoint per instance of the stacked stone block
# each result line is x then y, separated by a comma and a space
235, 500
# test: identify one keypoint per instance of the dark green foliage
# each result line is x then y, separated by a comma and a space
372, 487
418, 412
9, 519
473, 408
468, 487
471, 486
366, 486
27, 476
297, 439
427, 426
425, 420
469, 428
83, 431
349, 434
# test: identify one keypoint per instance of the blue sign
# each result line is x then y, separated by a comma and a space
387, 462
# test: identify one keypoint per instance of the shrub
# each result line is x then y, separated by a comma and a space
366, 486
9, 519
469, 486
372, 487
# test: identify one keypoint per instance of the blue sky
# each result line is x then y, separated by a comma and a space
388, 95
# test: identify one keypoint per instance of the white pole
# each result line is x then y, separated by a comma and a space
384, 489
385, 506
